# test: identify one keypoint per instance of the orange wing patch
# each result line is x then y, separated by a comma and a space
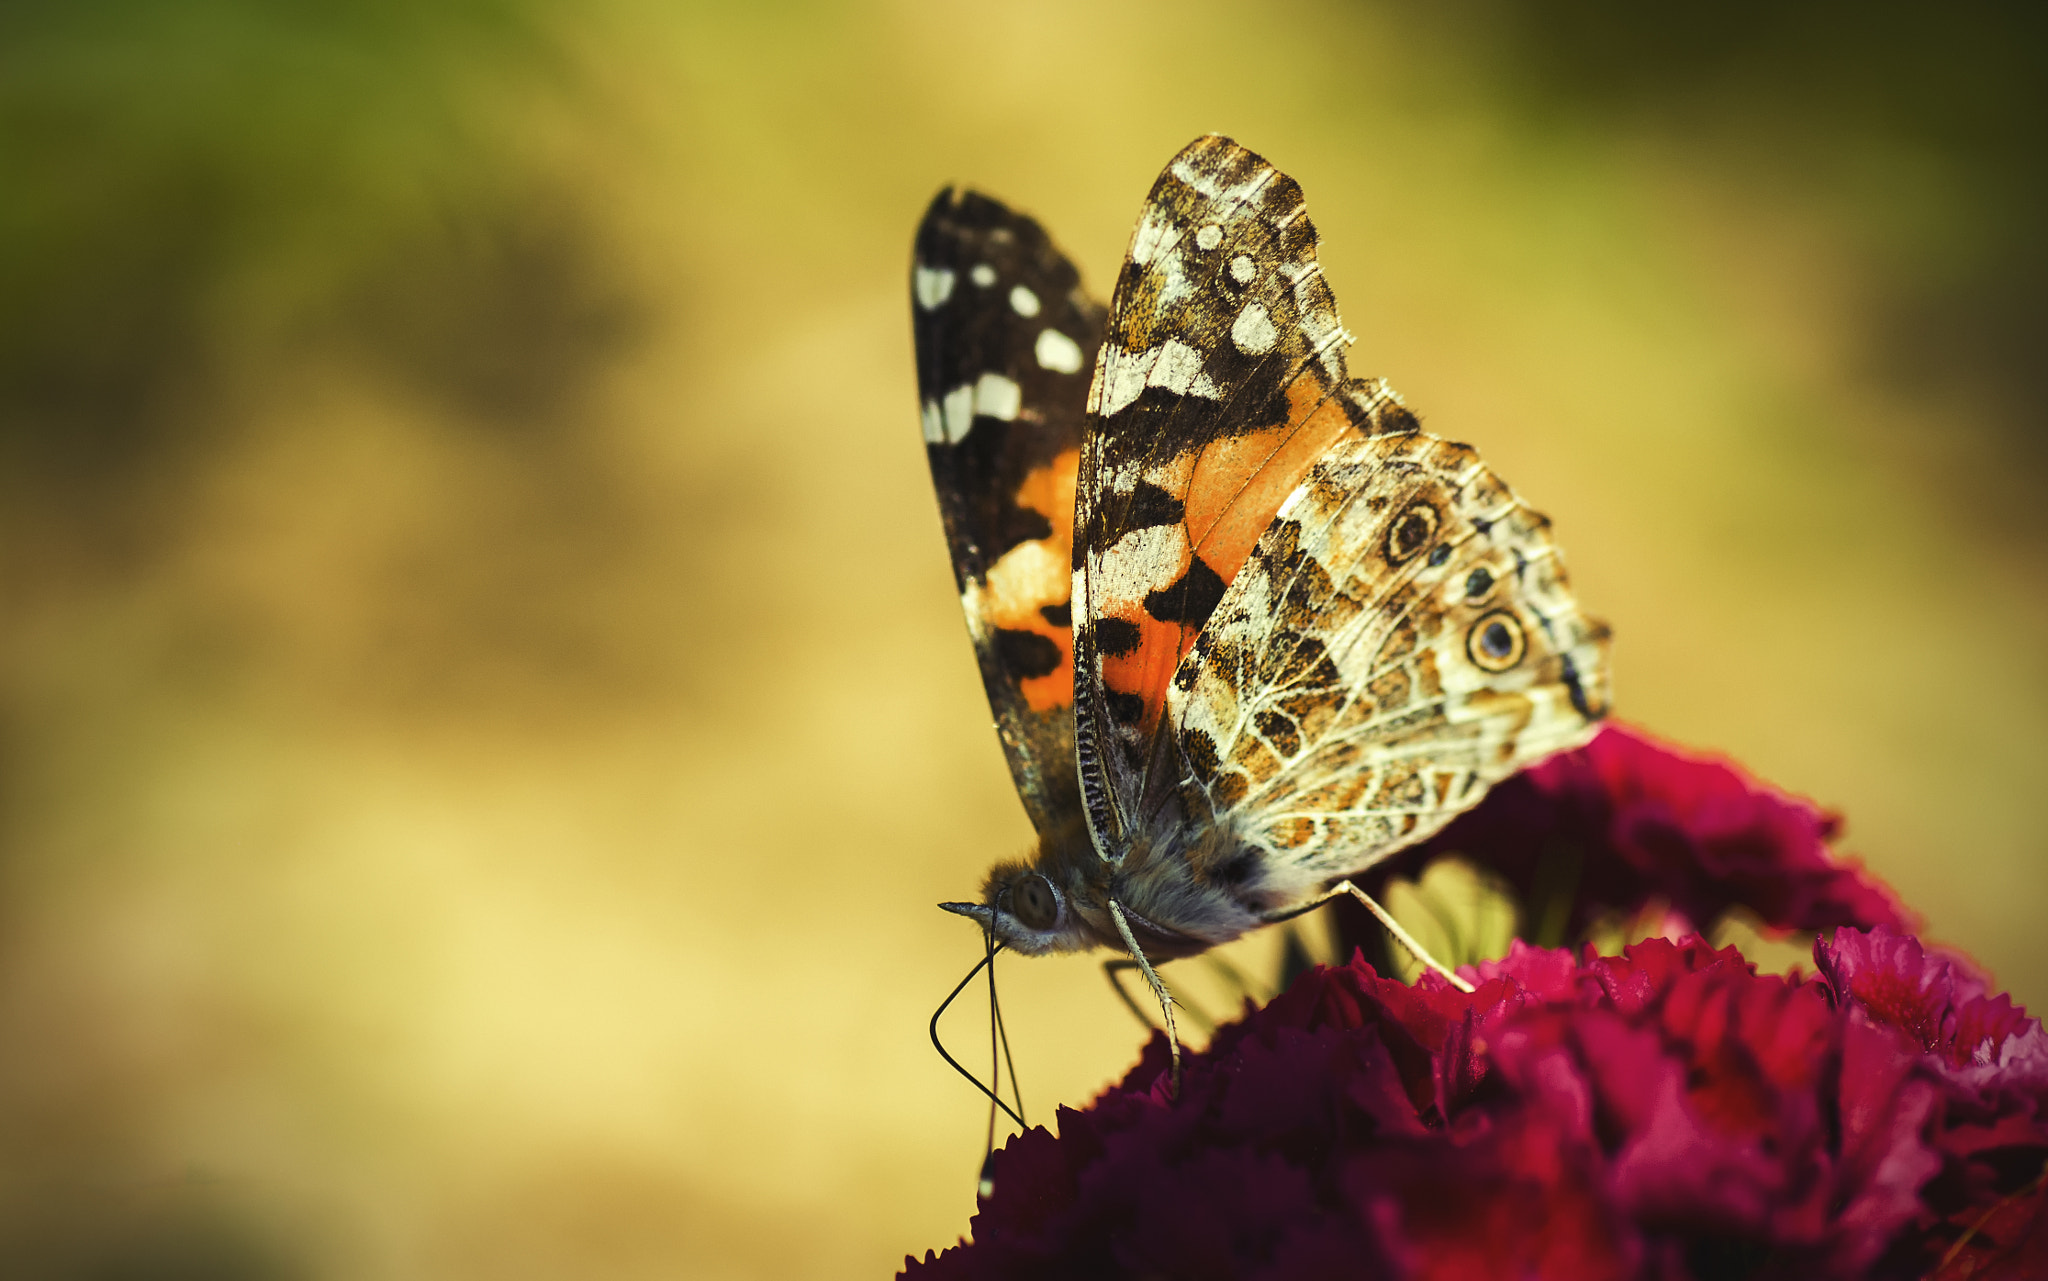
1142, 672
1033, 578
1233, 489
1241, 481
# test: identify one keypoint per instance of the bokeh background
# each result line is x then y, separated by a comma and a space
483, 712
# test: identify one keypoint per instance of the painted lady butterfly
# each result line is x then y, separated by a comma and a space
1246, 629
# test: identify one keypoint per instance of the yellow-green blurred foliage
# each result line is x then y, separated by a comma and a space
483, 713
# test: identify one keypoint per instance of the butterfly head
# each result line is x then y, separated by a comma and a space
1029, 910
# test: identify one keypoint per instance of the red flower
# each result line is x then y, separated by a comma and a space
2008, 1242
1627, 820
1983, 1042
1989, 1058
1668, 1113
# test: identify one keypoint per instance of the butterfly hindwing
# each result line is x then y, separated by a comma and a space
1006, 346
1221, 382
1402, 637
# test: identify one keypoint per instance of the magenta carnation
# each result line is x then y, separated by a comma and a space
1626, 821
1989, 1059
1667, 1114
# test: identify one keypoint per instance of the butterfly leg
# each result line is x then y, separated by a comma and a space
1119, 965
1401, 936
1166, 1001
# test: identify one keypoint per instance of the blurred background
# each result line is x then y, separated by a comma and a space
484, 717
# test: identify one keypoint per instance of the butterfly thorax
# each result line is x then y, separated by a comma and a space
1187, 887
1178, 887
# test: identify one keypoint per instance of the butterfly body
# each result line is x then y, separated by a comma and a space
1298, 633
1164, 883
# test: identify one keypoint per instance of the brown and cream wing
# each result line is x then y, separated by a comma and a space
1006, 345
1402, 637
1220, 383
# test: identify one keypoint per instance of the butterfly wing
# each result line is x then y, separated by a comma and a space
1006, 344
1220, 383
1402, 638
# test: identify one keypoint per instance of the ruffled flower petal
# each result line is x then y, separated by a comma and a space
1665, 1113
1627, 822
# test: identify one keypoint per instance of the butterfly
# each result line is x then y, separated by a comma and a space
1246, 629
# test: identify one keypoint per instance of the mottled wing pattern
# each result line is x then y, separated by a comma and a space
1006, 344
1221, 381
1402, 637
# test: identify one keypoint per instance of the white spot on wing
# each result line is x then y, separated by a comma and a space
982, 274
1154, 555
1156, 233
998, 397
1221, 193
958, 413
934, 423
1209, 236
1121, 376
1023, 301
1253, 331
932, 285
1057, 352
1242, 269
1172, 365
1028, 575
1179, 369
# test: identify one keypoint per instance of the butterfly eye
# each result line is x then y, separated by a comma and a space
1033, 903
1495, 641
1413, 529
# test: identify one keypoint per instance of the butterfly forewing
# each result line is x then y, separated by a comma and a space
1006, 345
1221, 381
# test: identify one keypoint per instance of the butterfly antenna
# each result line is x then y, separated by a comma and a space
998, 1040
940, 1046
1003, 1038
986, 1188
